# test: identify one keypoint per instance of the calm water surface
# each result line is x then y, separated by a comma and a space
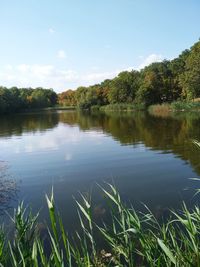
150, 159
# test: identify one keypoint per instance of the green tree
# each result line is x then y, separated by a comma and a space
190, 79
177, 67
124, 87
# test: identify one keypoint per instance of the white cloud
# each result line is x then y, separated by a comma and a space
25, 75
150, 59
23, 67
61, 54
49, 76
98, 76
51, 30
8, 67
61, 136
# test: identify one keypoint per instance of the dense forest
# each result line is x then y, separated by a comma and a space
166, 81
160, 82
22, 99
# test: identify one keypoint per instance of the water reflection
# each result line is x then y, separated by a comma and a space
149, 158
8, 187
31, 122
168, 135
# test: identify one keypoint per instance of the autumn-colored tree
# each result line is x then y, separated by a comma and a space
67, 98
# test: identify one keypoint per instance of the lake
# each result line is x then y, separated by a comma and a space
150, 159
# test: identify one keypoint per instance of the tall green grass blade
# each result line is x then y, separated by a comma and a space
166, 251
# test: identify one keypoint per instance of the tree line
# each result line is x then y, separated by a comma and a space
166, 81
18, 99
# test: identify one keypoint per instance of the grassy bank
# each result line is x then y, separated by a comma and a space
178, 106
122, 107
48, 109
131, 238
163, 109
61, 108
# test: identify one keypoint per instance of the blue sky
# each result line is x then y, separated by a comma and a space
63, 44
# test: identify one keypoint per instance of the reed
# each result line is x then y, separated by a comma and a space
123, 107
161, 110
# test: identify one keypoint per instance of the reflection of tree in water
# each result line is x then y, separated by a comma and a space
28, 122
8, 187
172, 134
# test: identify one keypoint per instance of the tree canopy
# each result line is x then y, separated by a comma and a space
17, 99
166, 81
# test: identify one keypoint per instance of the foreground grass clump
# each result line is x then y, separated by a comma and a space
131, 238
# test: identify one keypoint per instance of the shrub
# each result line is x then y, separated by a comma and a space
160, 109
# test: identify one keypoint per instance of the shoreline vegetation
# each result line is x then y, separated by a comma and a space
130, 239
166, 109
172, 85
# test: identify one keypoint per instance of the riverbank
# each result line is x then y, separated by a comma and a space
157, 109
58, 108
122, 107
36, 110
178, 106
163, 109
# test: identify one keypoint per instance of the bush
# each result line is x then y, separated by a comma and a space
95, 108
123, 107
185, 106
160, 109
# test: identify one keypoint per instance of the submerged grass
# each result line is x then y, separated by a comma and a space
130, 239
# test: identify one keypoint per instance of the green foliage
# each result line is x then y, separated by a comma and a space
156, 84
165, 109
123, 107
160, 82
95, 108
185, 106
17, 99
87, 97
123, 88
190, 78
166, 81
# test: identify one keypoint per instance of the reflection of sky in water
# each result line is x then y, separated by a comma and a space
8, 187
49, 140
73, 160
44, 157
